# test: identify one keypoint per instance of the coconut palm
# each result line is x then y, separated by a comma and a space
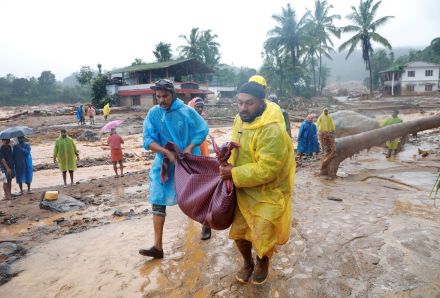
287, 36
323, 29
191, 49
364, 26
209, 48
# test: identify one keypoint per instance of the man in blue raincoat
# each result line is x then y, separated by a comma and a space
22, 156
170, 121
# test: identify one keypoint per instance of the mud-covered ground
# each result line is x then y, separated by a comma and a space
372, 232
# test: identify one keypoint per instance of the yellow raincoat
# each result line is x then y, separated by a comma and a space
263, 173
65, 152
325, 123
392, 144
106, 110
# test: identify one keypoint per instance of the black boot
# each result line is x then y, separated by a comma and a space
245, 248
206, 233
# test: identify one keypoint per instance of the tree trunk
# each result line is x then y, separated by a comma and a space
350, 145
371, 77
314, 74
320, 69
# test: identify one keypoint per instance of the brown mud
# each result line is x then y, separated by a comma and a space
379, 239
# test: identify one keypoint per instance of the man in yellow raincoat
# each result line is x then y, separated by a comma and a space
106, 111
66, 154
262, 170
392, 144
326, 133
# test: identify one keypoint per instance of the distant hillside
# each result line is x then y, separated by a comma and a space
353, 69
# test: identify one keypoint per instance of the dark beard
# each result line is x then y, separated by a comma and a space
248, 118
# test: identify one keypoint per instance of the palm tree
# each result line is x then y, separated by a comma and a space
323, 28
209, 48
191, 49
287, 36
365, 26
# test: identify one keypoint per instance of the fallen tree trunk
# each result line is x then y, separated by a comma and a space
14, 116
350, 145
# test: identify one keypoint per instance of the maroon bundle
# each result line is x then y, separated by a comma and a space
201, 193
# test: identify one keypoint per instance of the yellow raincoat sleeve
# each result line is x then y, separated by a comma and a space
269, 160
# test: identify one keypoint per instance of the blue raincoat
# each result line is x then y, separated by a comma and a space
181, 125
22, 163
308, 138
79, 113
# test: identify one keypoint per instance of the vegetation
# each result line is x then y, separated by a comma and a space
162, 52
44, 89
202, 45
429, 54
364, 26
292, 60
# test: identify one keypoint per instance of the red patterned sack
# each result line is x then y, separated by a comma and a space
201, 193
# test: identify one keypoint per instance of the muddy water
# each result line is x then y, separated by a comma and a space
380, 241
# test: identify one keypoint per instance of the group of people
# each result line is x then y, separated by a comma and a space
309, 132
262, 170
87, 109
16, 161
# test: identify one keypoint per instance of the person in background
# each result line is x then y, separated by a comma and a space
79, 114
91, 112
115, 141
21, 154
7, 167
326, 133
170, 121
66, 154
198, 104
262, 170
392, 145
106, 111
307, 138
273, 98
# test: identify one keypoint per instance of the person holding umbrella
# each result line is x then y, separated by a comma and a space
115, 141
66, 154
7, 167
21, 154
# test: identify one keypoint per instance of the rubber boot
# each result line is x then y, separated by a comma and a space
206, 233
261, 271
245, 248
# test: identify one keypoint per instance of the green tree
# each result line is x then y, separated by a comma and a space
162, 52
380, 60
323, 28
85, 76
20, 87
99, 68
46, 81
365, 26
192, 47
201, 45
137, 61
287, 36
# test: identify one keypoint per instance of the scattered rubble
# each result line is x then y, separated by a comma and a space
64, 203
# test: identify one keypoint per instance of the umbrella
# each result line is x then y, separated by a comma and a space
14, 132
111, 124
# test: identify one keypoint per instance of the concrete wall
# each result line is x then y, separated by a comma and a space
146, 101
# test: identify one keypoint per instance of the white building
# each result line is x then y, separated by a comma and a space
414, 78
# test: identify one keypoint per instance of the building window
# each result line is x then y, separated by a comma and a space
136, 100
410, 88
428, 87
411, 73
428, 73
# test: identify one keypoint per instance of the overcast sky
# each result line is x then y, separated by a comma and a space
63, 35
